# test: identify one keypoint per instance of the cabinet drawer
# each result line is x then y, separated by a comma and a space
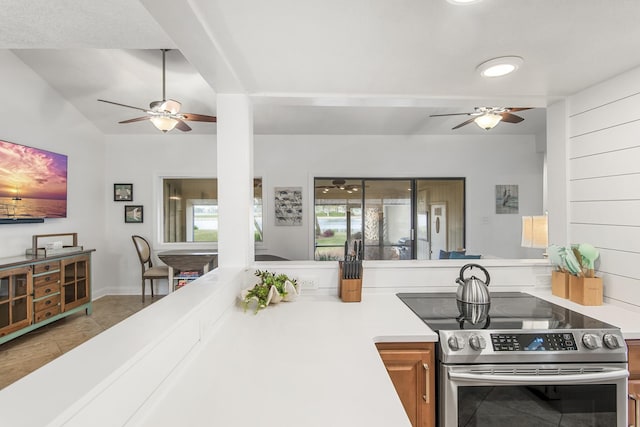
46, 313
47, 289
46, 266
46, 303
52, 278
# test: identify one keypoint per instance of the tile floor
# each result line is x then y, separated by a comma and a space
27, 353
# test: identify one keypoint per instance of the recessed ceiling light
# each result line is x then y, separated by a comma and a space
498, 67
463, 1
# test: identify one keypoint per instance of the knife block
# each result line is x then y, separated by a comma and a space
560, 284
349, 290
585, 290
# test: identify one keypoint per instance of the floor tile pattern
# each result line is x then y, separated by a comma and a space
27, 353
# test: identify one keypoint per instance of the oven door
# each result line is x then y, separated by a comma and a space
533, 395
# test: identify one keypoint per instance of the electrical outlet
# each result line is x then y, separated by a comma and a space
308, 283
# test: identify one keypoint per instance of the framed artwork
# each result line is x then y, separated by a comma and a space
122, 192
133, 213
288, 205
507, 199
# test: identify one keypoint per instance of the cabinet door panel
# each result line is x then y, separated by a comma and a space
633, 347
75, 282
15, 299
411, 372
4, 315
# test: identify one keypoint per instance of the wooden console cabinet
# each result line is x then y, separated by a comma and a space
37, 291
411, 368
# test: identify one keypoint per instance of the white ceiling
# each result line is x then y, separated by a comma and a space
337, 67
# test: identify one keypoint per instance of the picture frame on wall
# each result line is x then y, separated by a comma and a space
288, 205
507, 200
122, 192
133, 213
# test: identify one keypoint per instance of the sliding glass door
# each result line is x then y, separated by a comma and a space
395, 218
387, 219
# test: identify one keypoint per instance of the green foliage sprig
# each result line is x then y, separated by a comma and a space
261, 290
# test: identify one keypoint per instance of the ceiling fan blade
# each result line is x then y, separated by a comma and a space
511, 118
182, 126
122, 105
137, 119
198, 117
451, 114
511, 109
464, 123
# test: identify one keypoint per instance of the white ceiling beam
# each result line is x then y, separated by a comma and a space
407, 101
183, 23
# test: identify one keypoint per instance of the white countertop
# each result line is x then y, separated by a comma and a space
308, 363
626, 319
311, 362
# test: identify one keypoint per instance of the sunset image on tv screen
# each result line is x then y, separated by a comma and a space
33, 182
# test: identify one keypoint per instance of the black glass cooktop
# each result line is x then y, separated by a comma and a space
507, 310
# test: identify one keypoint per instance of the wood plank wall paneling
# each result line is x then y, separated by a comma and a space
604, 180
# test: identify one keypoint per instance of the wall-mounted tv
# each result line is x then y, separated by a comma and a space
33, 183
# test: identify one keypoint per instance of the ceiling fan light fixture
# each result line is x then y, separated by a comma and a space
164, 123
499, 67
488, 121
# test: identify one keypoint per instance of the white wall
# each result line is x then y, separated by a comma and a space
141, 160
293, 161
604, 180
33, 114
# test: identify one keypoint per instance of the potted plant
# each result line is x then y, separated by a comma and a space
272, 289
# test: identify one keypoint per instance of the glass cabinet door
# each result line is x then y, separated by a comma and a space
15, 299
75, 282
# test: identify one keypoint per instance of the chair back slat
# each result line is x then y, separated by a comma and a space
143, 248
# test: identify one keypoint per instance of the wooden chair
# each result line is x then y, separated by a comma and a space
149, 271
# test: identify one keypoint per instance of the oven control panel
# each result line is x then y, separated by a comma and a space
535, 346
534, 342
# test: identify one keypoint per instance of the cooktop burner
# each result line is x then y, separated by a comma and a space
507, 310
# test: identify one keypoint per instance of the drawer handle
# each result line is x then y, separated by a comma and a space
47, 267
47, 314
426, 382
48, 302
47, 279
47, 290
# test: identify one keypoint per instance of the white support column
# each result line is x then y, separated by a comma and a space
235, 180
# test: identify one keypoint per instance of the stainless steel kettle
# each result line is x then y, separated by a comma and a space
475, 314
473, 290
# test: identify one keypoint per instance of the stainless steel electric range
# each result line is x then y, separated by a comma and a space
523, 361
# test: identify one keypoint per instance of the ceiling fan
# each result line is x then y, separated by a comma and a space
339, 184
488, 117
165, 115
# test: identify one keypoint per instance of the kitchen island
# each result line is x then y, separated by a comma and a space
195, 358
312, 362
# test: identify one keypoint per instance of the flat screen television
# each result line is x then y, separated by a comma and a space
33, 183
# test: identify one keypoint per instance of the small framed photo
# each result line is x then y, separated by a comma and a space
133, 213
122, 192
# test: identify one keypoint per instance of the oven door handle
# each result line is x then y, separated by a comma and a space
497, 379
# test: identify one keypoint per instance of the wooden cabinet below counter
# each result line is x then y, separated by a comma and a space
633, 354
411, 368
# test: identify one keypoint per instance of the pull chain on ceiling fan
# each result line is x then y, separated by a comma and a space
165, 115
488, 117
